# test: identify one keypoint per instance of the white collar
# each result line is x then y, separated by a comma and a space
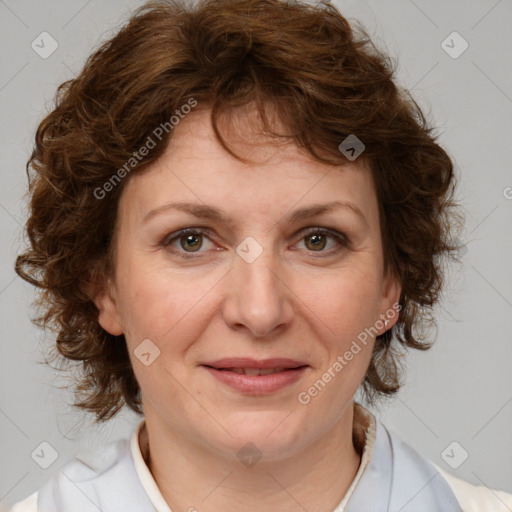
145, 476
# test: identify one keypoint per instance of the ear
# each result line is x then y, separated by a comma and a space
389, 302
105, 300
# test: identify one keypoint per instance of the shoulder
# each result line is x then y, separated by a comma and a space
27, 505
92, 471
477, 498
412, 467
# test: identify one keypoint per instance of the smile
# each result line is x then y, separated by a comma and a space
257, 381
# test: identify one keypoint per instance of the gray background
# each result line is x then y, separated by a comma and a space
459, 391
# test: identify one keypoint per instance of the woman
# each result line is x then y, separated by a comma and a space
237, 220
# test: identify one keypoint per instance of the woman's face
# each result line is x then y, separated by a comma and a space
258, 284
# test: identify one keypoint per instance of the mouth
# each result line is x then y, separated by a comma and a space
253, 377
249, 363
256, 371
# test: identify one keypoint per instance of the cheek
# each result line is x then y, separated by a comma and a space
170, 318
343, 303
157, 304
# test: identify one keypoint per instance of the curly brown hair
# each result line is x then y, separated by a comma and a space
326, 82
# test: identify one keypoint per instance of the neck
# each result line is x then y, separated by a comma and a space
192, 477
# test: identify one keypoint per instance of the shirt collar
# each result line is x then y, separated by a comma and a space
146, 478
363, 435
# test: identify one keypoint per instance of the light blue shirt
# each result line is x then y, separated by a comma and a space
392, 477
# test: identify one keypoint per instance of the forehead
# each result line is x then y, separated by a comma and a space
195, 167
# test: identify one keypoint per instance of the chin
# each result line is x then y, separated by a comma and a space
276, 434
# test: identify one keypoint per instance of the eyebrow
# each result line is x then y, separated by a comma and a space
207, 212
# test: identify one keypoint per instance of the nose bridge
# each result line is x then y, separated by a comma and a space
257, 297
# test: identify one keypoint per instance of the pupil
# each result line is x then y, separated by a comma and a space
318, 242
191, 238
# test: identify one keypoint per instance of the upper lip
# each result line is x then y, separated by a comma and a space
246, 362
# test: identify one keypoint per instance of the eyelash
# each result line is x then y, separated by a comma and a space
341, 239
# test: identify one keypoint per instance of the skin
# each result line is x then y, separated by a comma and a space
295, 300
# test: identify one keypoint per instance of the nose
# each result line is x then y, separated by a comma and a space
259, 299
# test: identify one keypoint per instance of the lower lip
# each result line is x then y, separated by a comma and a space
257, 384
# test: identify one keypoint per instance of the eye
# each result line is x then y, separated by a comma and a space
316, 240
190, 238
188, 241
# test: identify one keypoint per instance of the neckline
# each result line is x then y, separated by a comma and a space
363, 437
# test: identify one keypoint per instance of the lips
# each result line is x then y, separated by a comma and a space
254, 371
248, 365
256, 377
